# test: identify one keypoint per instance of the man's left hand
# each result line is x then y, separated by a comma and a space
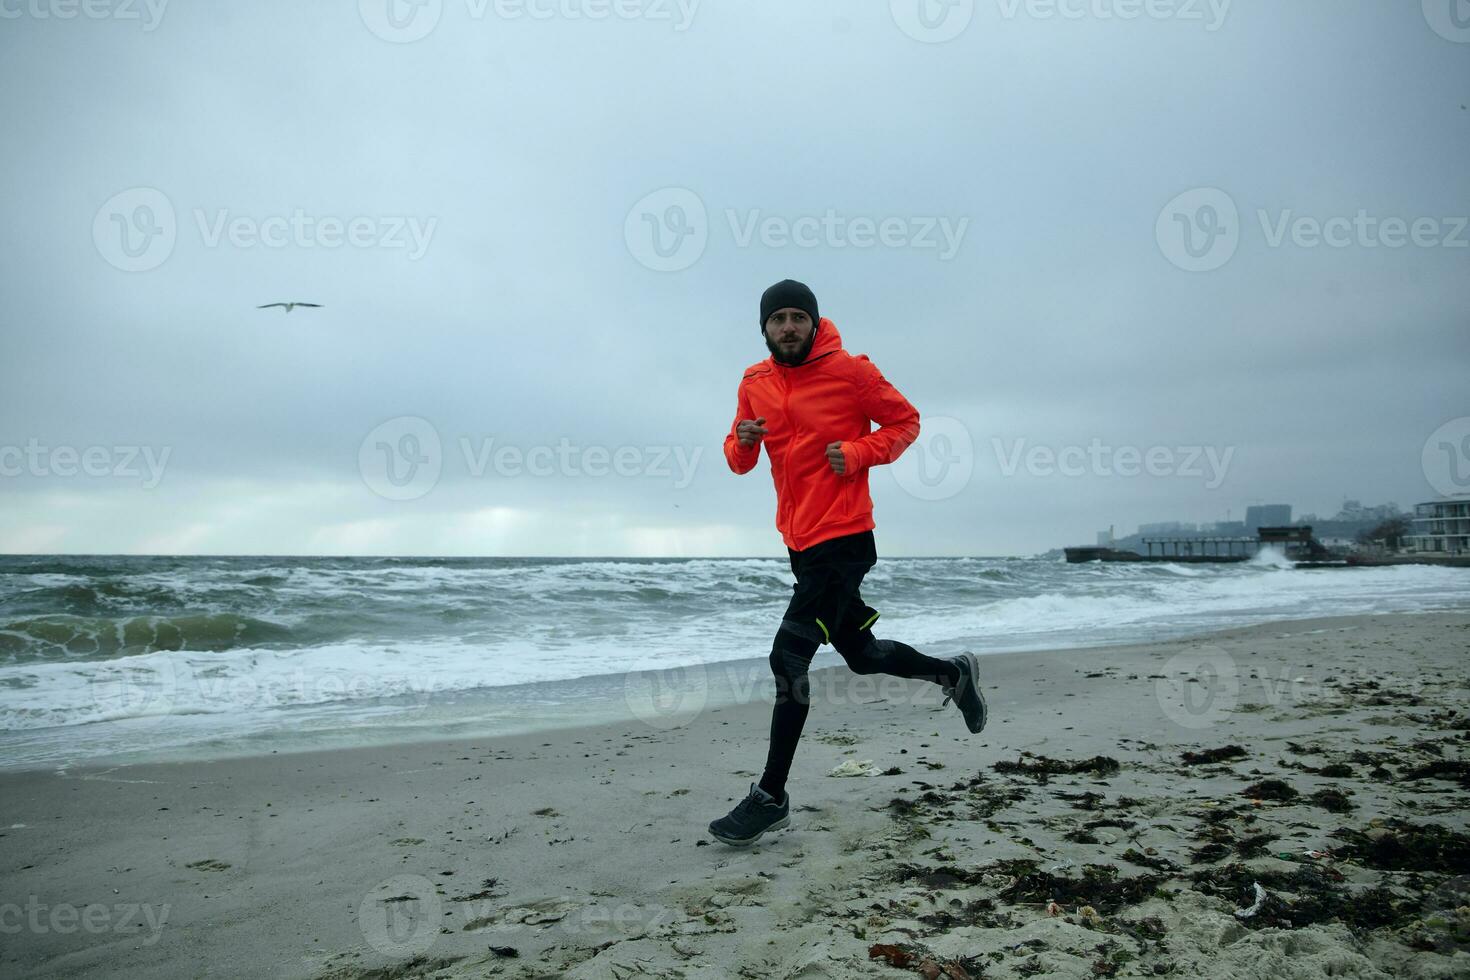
835, 457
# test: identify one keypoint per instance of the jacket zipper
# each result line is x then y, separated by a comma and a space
786, 413
791, 449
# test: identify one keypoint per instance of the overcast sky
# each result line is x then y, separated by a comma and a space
1207, 254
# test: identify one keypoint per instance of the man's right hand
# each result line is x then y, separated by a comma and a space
749, 431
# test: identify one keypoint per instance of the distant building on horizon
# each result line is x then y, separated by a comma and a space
1353, 510
1441, 526
1167, 527
1258, 516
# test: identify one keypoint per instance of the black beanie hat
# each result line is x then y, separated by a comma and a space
788, 292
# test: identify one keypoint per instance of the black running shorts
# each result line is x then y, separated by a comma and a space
826, 604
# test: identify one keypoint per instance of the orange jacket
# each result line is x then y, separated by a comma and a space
832, 396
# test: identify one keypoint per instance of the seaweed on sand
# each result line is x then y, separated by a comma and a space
1223, 753
1044, 766
1270, 789
1099, 885
1317, 894
1398, 845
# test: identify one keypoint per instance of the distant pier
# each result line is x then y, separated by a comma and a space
1293, 541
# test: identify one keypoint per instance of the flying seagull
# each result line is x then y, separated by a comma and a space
288, 306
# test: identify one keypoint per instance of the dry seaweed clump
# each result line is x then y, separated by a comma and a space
1397, 845
1304, 896
1222, 754
1099, 886
918, 959
1455, 769
1332, 800
1040, 766
1270, 789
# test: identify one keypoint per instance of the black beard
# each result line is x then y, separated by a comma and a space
794, 359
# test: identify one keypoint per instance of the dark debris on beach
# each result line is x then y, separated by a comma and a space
1385, 874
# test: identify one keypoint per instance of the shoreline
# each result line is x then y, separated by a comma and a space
584, 849
556, 706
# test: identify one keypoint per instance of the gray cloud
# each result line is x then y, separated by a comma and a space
519, 146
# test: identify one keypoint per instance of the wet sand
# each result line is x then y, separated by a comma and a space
1284, 800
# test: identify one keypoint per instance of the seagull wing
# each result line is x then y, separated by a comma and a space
308, 304
266, 306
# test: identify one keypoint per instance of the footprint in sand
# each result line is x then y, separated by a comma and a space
209, 864
543, 912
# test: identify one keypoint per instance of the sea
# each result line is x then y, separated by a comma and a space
119, 659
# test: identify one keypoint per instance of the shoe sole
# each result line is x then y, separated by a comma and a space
973, 669
746, 842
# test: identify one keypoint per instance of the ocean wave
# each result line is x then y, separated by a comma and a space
66, 637
73, 633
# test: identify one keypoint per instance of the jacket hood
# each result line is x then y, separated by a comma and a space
828, 340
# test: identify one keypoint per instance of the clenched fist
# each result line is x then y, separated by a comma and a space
836, 459
749, 431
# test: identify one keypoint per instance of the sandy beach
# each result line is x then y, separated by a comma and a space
1284, 800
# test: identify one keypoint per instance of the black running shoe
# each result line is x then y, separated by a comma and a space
751, 818
967, 693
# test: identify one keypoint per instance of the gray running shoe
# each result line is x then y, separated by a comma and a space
752, 817
967, 693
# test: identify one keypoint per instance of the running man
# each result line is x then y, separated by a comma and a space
811, 403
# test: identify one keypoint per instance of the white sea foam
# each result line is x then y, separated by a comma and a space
465, 627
